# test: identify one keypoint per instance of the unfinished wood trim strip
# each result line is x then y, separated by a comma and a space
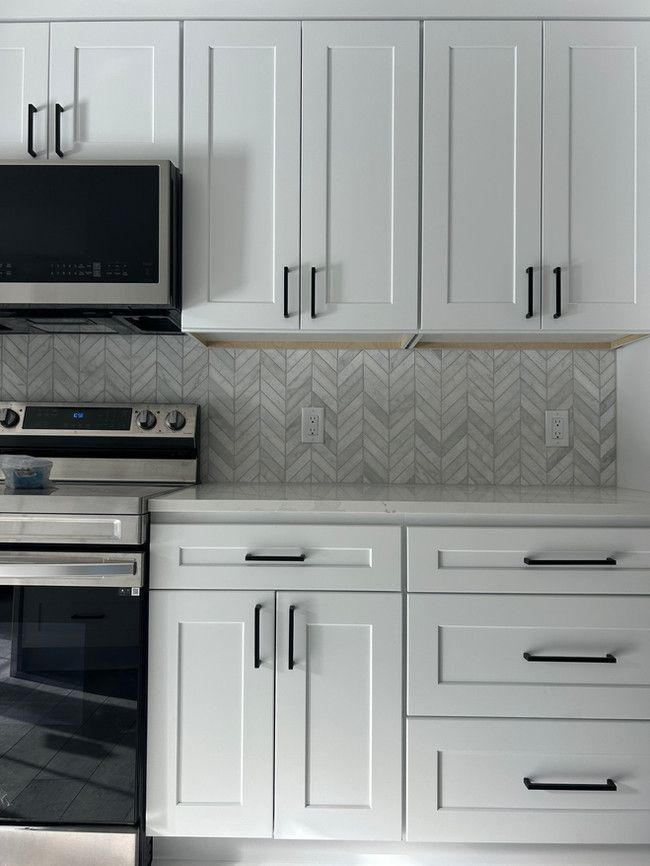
619, 342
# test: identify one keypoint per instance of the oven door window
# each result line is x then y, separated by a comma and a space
69, 718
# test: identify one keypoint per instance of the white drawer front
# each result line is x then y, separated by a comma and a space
275, 557
466, 781
587, 657
560, 560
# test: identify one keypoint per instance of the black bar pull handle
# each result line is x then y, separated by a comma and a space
529, 314
31, 111
88, 616
313, 293
558, 293
258, 660
292, 611
609, 785
58, 111
286, 292
608, 560
261, 557
607, 659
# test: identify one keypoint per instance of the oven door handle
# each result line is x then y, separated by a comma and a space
25, 572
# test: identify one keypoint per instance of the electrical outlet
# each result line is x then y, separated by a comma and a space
557, 428
312, 425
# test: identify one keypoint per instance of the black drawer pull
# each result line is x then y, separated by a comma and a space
610, 785
58, 111
258, 661
31, 111
88, 616
286, 292
260, 557
558, 293
609, 560
292, 611
608, 659
529, 314
313, 293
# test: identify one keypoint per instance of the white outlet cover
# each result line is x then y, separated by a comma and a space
557, 428
312, 425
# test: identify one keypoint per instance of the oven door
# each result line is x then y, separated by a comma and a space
71, 683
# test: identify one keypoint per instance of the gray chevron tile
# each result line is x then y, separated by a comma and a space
117, 371
532, 408
40, 368
480, 417
94, 371
221, 418
65, 374
298, 394
454, 417
401, 437
169, 369
324, 394
15, 351
507, 417
423, 416
428, 398
273, 415
349, 446
375, 416
143, 369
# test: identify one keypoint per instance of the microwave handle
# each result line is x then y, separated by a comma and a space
58, 111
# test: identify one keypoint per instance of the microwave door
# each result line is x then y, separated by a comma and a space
84, 235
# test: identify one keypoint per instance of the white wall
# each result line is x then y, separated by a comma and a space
633, 415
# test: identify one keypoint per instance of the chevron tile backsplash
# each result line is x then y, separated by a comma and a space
423, 416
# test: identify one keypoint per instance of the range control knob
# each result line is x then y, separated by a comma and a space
175, 420
8, 418
146, 420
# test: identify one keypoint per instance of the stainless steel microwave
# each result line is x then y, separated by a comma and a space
90, 247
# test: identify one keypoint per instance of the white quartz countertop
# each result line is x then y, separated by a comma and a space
398, 499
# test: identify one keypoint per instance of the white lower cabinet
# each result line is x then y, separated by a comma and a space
492, 780
210, 709
338, 716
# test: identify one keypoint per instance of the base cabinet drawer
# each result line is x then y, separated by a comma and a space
280, 556
531, 656
493, 780
521, 560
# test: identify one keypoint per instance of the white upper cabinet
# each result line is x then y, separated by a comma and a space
116, 85
338, 767
23, 90
597, 175
210, 740
481, 163
242, 175
360, 175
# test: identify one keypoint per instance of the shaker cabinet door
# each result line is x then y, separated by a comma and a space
210, 709
23, 90
117, 88
360, 106
596, 175
338, 716
242, 175
481, 183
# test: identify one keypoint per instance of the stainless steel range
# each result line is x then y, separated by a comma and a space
73, 626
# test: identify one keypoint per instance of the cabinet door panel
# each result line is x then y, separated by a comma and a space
597, 174
360, 174
118, 83
210, 745
481, 164
23, 77
338, 717
242, 175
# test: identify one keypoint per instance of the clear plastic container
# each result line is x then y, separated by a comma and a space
23, 472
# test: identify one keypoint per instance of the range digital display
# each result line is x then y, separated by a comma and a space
77, 418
